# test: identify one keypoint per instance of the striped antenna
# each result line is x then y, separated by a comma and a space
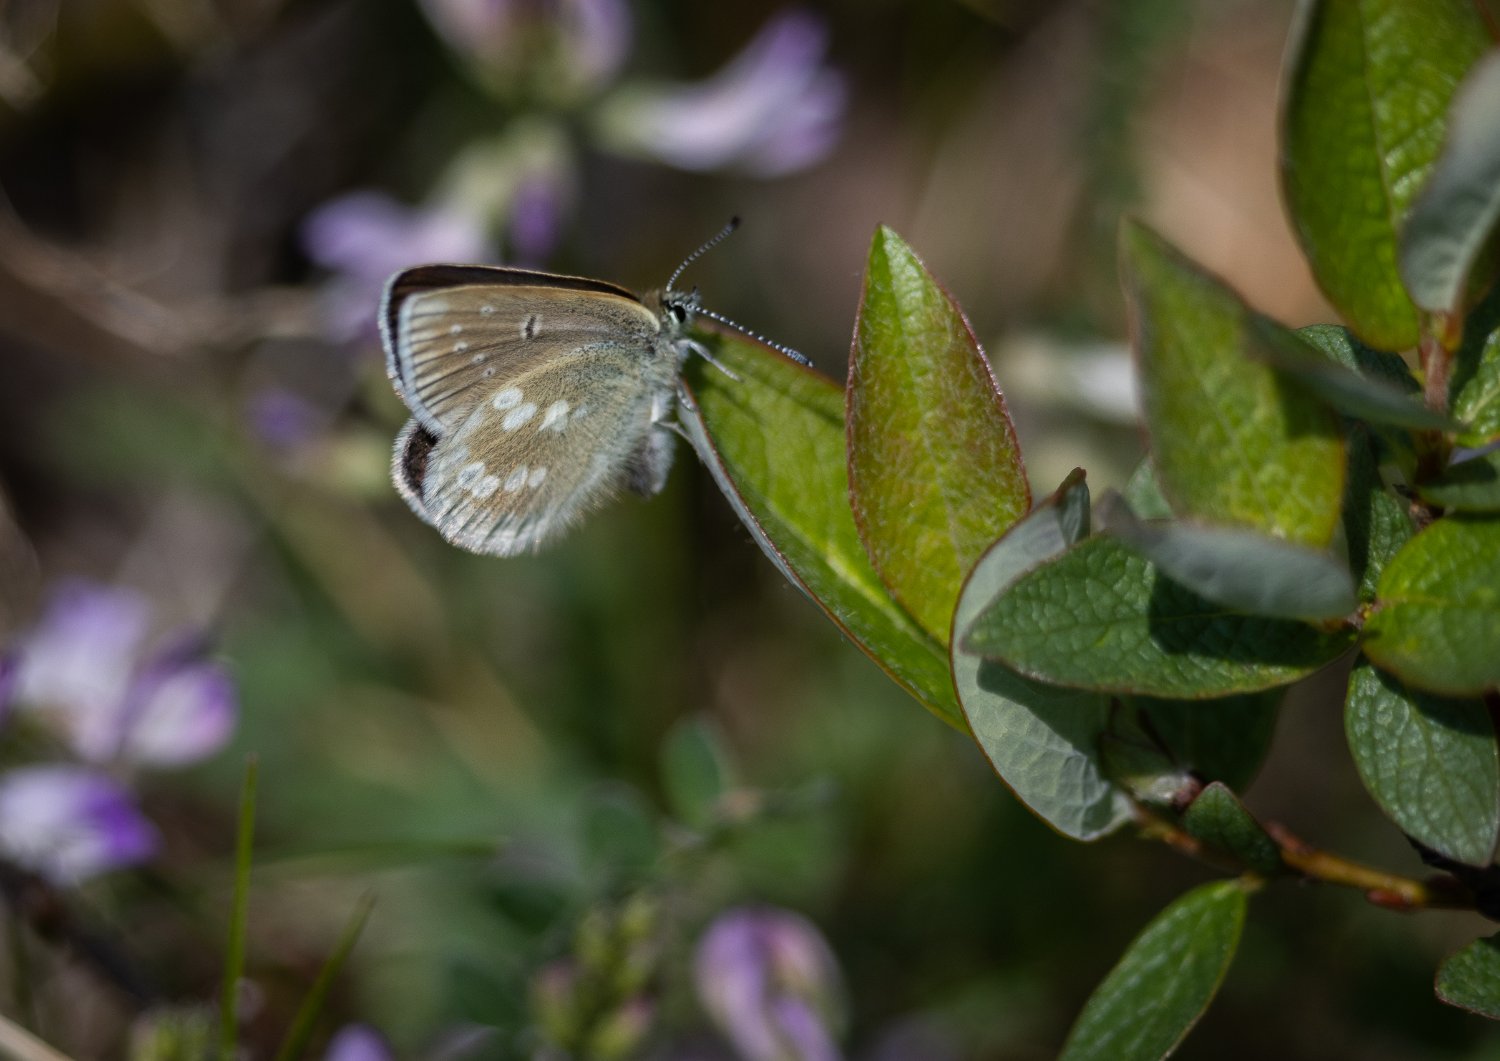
720, 236
723, 234
801, 359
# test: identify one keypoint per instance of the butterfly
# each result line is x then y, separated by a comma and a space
535, 398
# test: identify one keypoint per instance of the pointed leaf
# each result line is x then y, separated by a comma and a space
1101, 617
1220, 820
1368, 88
1469, 486
774, 443
1232, 441
1457, 209
1474, 391
1437, 620
1143, 493
1376, 522
1430, 762
1324, 360
1042, 740
1166, 979
1470, 978
1240, 569
934, 466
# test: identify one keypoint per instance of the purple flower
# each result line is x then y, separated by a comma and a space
283, 419
364, 237
358, 1042
77, 662
81, 669
773, 109
536, 215
9, 672
565, 46
68, 823
770, 983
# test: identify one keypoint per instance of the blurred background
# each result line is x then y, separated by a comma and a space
617, 799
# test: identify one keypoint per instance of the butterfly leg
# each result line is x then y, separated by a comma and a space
702, 351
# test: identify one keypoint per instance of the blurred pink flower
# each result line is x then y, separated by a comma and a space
81, 669
770, 983
69, 823
365, 236
358, 1042
774, 108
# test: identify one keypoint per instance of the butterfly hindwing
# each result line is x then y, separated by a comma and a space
454, 333
546, 445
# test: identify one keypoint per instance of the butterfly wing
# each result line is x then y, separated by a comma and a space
454, 333
558, 439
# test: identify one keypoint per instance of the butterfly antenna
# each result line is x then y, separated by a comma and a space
723, 234
801, 359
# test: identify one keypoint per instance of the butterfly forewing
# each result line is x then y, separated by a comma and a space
454, 334
545, 446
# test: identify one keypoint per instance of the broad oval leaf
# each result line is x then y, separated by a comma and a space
1458, 207
1216, 740
1361, 129
774, 442
1220, 820
1101, 617
934, 467
1166, 979
1042, 740
1240, 569
1470, 978
1233, 440
1436, 624
1430, 762
1469, 486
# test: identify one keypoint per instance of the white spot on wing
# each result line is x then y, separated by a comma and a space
456, 329
518, 416
460, 346
556, 416
485, 487
536, 477
580, 412
510, 396
487, 310
516, 480
468, 474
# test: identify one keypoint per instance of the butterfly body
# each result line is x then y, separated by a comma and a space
534, 398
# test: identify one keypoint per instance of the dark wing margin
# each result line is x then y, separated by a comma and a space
422, 278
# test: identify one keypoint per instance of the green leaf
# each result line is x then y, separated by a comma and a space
1436, 624
1043, 741
774, 443
1164, 751
695, 770
1457, 208
1371, 385
1166, 979
1474, 390
1232, 440
1376, 522
934, 468
1101, 617
1240, 569
1143, 493
1220, 820
1470, 978
1469, 486
1368, 88
1430, 763
1217, 740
